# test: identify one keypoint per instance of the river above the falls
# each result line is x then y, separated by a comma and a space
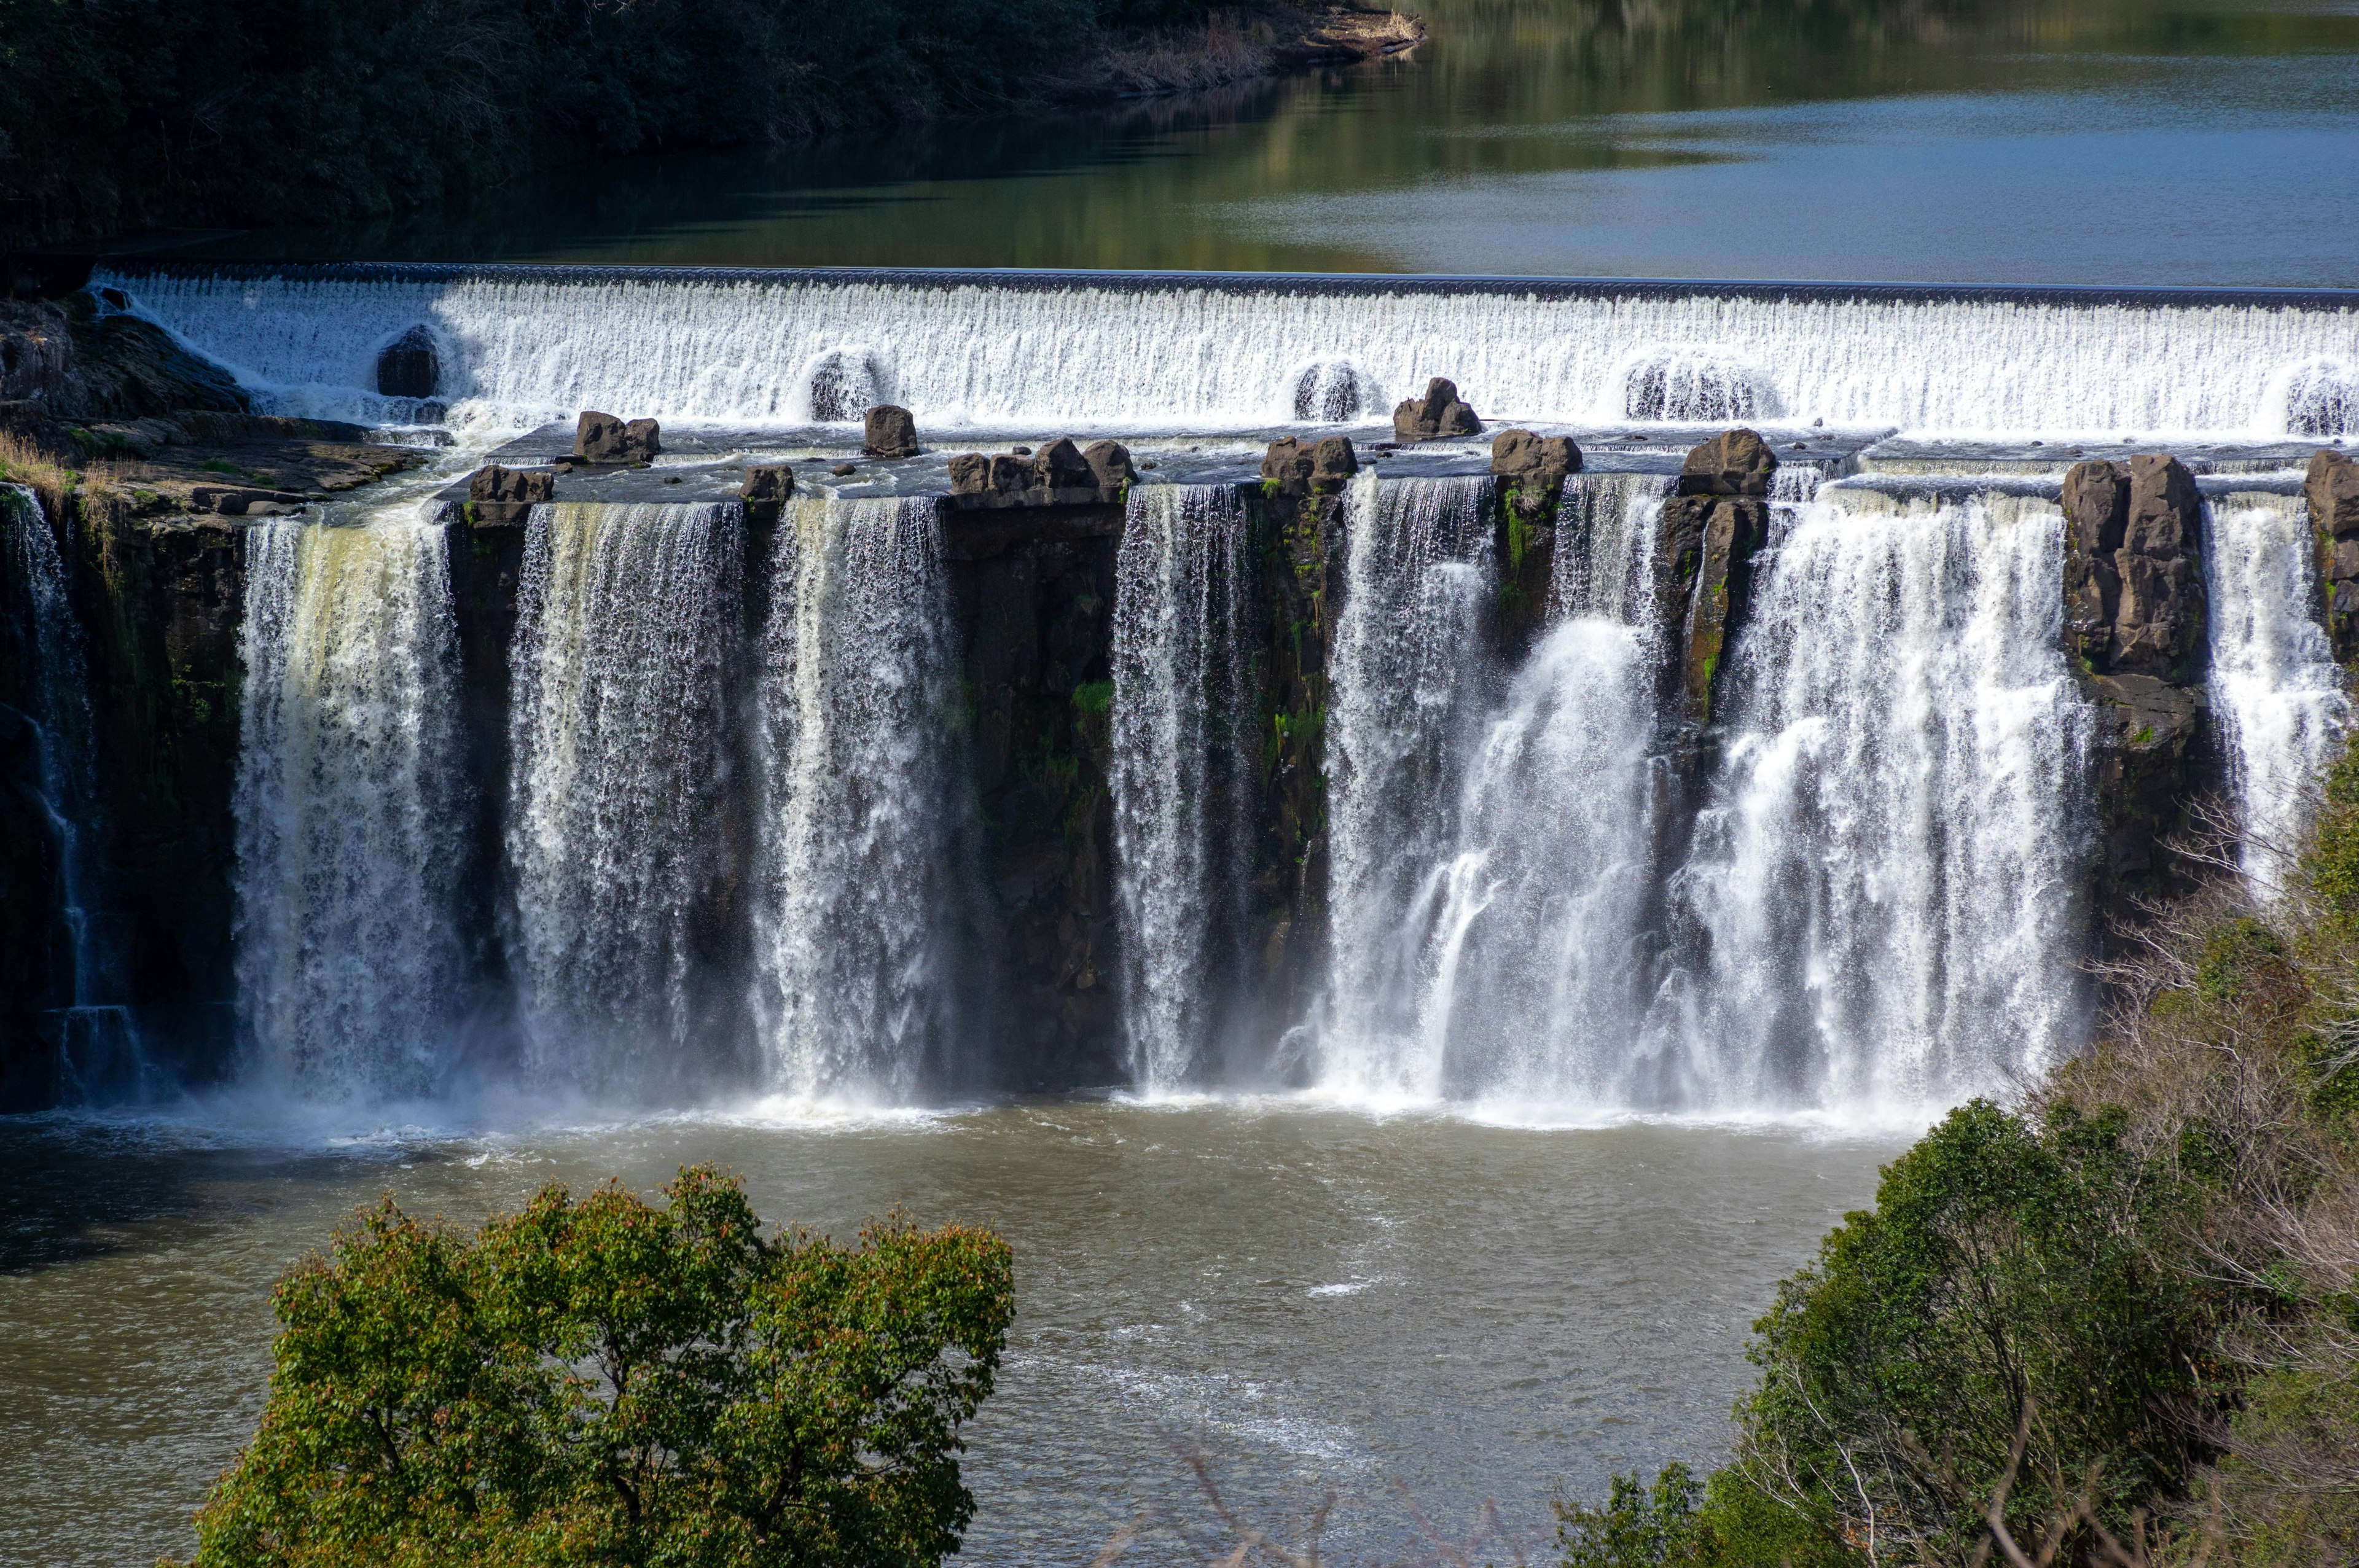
1316, 1298
1994, 141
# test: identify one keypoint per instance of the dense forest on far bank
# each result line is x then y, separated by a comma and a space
122, 114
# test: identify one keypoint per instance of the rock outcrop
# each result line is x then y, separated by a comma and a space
1058, 474
765, 492
410, 365
1295, 470
1711, 527
35, 975
1531, 472
604, 440
2133, 596
1438, 414
2332, 489
35, 349
497, 496
889, 432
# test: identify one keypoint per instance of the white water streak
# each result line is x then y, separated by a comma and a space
2274, 683
628, 620
1887, 879
855, 891
1407, 676
521, 351
1179, 774
350, 806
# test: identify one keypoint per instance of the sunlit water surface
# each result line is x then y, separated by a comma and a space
1416, 1308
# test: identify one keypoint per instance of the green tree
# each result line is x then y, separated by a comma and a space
613, 1382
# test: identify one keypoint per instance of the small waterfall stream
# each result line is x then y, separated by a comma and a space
1408, 680
2275, 689
1181, 770
350, 806
629, 620
862, 794
99, 1054
1885, 881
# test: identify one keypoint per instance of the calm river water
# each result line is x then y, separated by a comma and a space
2027, 141
1319, 1299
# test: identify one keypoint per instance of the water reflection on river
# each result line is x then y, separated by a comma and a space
2029, 141
1324, 1299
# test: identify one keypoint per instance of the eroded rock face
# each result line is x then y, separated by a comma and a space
1110, 464
2332, 490
1058, 474
1319, 468
603, 438
2150, 742
411, 366
1438, 413
765, 492
1533, 469
890, 432
499, 495
35, 349
34, 974
1711, 531
2134, 601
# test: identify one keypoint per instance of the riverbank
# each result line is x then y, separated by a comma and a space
185, 126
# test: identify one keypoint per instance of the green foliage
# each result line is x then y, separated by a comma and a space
2005, 1263
2333, 864
612, 1382
205, 112
1639, 1526
1094, 698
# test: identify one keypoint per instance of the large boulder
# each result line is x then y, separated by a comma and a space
1438, 414
1058, 474
1531, 470
890, 432
1297, 469
410, 365
1110, 465
604, 439
765, 492
2134, 601
497, 495
1734, 462
2332, 489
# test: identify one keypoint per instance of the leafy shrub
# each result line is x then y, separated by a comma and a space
612, 1382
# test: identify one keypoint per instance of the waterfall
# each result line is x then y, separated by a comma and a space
862, 778
1886, 878
1407, 680
1182, 734
352, 807
629, 620
2273, 684
99, 1054
1606, 529
525, 345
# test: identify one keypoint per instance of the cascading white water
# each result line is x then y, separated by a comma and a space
523, 347
1407, 680
1606, 534
628, 618
859, 747
1181, 732
1886, 878
350, 806
2274, 686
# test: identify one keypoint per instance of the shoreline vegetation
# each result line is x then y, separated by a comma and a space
217, 113
2115, 1324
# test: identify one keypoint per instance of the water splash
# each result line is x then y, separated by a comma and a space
1408, 681
352, 808
1885, 889
2274, 683
860, 769
1181, 742
1607, 530
629, 620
